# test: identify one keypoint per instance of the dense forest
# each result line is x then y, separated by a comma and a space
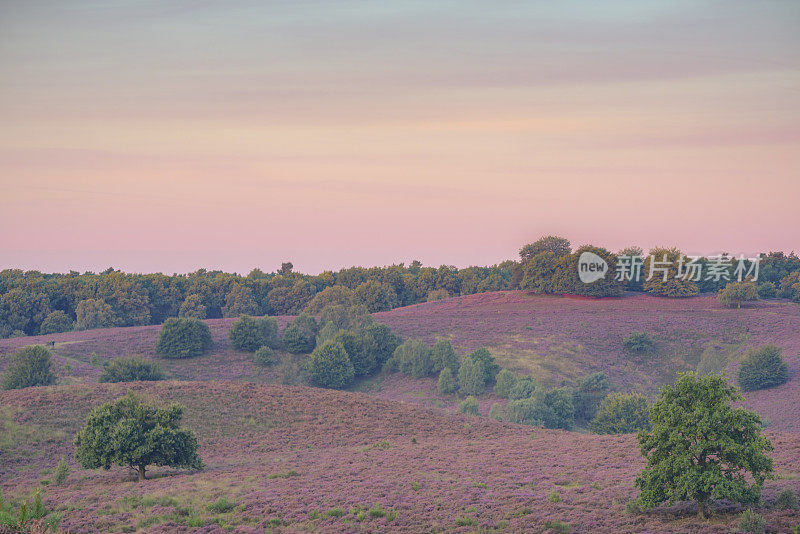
34, 303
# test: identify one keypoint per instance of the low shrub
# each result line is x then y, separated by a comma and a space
221, 506
62, 472
522, 412
787, 500
183, 338
300, 337
554, 497
414, 358
632, 507
469, 406
504, 382
131, 369
264, 356
766, 290
752, 522
447, 383
620, 414
639, 343
496, 412
30, 366
762, 368
248, 334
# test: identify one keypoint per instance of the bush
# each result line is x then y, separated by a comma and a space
496, 412
330, 366
787, 500
591, 390
55, 323
30, 366
447, 383
766, 290
414, 358
221, 506
522, 412
469, 406
300, 337
632, 507
737, 293
380, 342
669, 285
62, 472
130, 432
471, 379
621, 414
335, 295
505, 381
752, 522
523, 389
248, 334
438, 294
554, 409
131, 369
443, 356
193, 306
183, 338
94, 313
363, 361
264, 356
488, 365
639, 343
762, 368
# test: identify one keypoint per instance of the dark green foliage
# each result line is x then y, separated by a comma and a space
183, 338
56, 322
787, 500
666, 283
620, 414
221, 506
131, 432
95, 313
735, 294
330, 296
469, 406
193, 306
264, 356
471, 377
558, 246
363, 361
300, 337
62, 472
248, 334
444, 356
131, 369
496, 412
762, 368
413, 358
490, 368
523, 389
330, 366
522, 412
30, 366
566, 278
554, 408
701, 448
752, 522
639, 343
374, 296
504, 383
380, 342
591, 390
447, 383
766, 290
239, 301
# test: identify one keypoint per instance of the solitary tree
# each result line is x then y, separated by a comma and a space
183, 338
734, 294
701, 448
133, 433
330, 366
30, 366
762, 368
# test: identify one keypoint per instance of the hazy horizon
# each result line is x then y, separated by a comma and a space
168, 136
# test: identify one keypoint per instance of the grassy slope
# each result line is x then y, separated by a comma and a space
349, 450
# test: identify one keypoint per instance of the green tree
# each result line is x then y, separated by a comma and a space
522, 412
380, 342
621, 414
330, 366
591, 390
555, 245
30, 366
762, 368
95, 313
413, 358
193, 307
469, 406
264, 356
55, 323
363, 361
240, 301
447, 383
488, 365
639, 343
471, 377
443, 356
248, 334
661, 275
701, 448
131, 432
505, 381
335, 295
131, 369
523, 388
300, 337
375, 296
183, 338
554, 408
738, 293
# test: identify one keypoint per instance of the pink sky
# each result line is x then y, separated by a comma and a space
172, 136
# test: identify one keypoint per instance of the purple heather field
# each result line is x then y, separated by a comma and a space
392, 455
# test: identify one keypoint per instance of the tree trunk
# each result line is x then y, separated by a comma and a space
141, 473
701, 509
